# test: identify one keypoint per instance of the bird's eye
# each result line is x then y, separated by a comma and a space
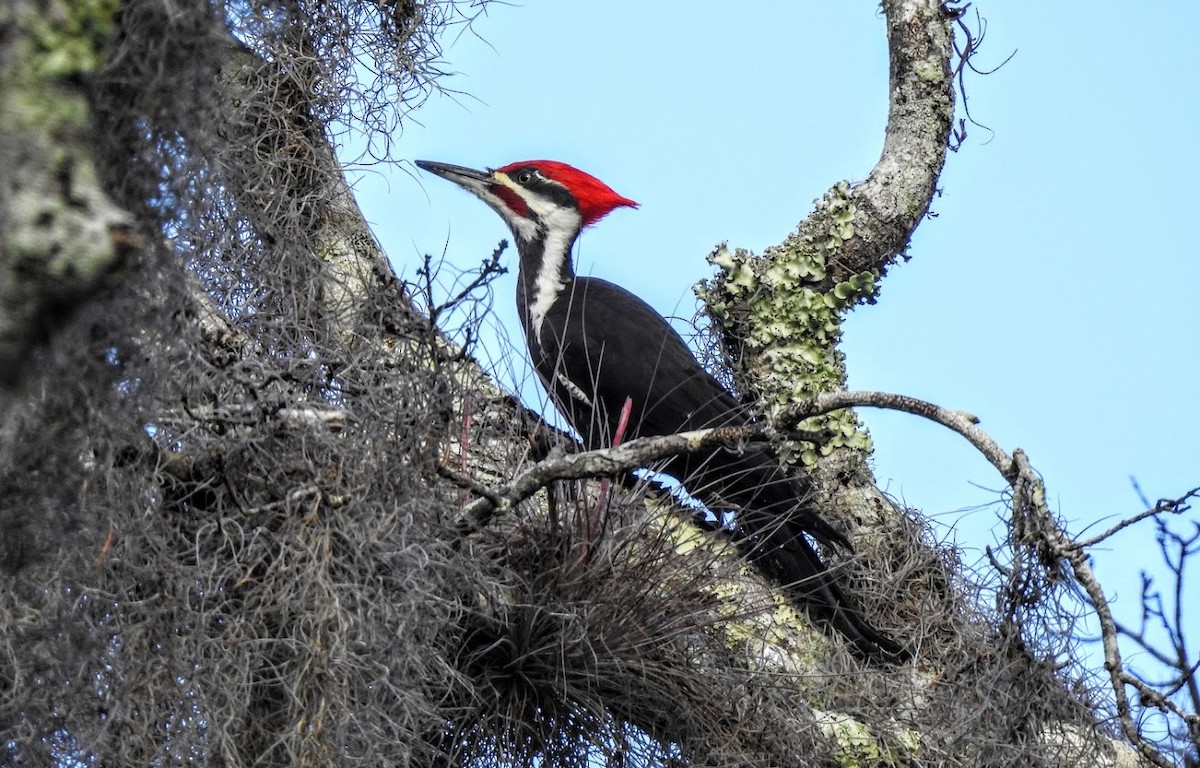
524, 177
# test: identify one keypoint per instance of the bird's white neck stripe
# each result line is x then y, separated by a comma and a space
560, 226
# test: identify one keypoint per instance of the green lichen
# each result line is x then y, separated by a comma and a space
71, 39
931, 70
774, 635
786, 316
856, 744
61, 223
60, 45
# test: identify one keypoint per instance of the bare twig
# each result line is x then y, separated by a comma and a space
489, 270
966, 52
1173, 653
1173, 506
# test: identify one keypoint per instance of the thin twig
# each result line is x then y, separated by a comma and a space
489, 270
1174, 506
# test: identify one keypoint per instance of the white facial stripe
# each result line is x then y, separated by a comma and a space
526, 229
559, 227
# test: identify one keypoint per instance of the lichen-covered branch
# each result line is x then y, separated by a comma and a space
782, 311
772, 625
62, 238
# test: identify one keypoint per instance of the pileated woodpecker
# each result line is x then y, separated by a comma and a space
594, 344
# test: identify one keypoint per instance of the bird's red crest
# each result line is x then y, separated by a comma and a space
596, 199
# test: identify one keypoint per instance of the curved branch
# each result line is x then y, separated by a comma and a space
782, 312
960, 421
896, 194
647, 450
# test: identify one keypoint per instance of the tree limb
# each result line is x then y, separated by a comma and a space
62, 238
644, 451
894, 197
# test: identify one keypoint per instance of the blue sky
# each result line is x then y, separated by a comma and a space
1053, 295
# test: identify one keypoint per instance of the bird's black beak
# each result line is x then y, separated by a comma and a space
464, 177
482, 184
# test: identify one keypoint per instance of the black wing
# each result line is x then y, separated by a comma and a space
601, 344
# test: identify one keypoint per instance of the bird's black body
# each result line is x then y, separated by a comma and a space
633, 352
594, 344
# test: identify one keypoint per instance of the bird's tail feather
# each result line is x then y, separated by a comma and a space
820, 594
770, 528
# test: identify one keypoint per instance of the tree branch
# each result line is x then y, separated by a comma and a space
1029, 502
894, 197
1173, 506
644, 451
782, 312
62, 239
